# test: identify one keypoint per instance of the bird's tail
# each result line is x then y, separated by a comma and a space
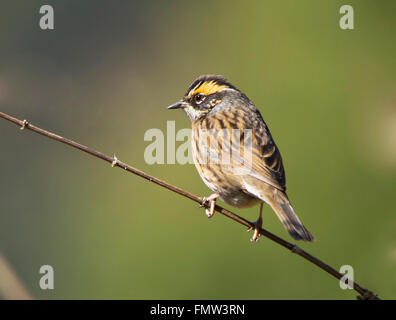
281, 205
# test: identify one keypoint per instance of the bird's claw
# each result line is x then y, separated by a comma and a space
256, 235
204, 200
211, 202
209, 214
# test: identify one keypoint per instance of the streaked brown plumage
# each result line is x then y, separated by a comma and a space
234, 152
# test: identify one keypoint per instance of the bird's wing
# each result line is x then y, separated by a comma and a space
263, 161
267, 162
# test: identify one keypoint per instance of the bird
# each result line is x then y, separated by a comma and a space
235, 154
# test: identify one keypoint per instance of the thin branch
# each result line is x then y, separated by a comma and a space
23, 124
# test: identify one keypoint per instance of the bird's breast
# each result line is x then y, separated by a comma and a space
208, 154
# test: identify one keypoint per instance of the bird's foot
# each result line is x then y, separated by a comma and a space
257, 225
209, 203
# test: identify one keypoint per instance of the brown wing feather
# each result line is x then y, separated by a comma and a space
266, 159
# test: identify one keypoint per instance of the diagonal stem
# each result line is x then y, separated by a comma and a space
23, 124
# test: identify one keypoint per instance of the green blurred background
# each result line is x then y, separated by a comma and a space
104, 77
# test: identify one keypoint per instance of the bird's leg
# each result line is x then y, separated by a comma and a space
211, 200
257, 225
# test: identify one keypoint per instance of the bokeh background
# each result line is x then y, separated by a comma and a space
104, 77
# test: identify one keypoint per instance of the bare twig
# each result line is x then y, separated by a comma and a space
23, 124
11, 287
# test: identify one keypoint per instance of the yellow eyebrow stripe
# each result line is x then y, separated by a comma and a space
208, 88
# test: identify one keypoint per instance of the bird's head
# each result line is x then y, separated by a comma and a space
204, 94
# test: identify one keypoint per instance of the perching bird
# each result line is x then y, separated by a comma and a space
234, 152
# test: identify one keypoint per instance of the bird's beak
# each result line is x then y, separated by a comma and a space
178, 105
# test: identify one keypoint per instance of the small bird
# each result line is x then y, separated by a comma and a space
235, 154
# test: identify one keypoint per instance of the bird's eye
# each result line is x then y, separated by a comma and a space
199, 98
